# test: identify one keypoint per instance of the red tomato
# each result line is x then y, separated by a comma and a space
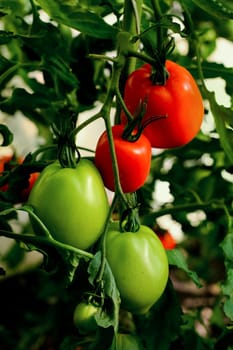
179, 101
26, 191
4, 160
5, 163
167, 240
133, 158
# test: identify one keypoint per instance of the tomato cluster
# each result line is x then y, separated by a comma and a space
172, 118
73, 205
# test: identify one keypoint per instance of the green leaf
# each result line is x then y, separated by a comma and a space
64, 259
6, 37
217, 70
222, 117
227, 246
7, 136
176, 258
156, 330
12, 6
73, 15
109, 289
216, 8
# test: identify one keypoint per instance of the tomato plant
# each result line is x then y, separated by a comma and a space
133, 159
72, 203
69, 72
84, 317
139, 264
177, 104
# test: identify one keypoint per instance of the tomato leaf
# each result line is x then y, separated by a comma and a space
7, 136
78, 18
109, 289
223, 118
216, 8
216, 70
6, 37
176, 258
158, 332
227, 246
67, 257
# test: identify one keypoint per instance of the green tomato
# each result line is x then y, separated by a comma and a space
139, 264
71, 202
84, 317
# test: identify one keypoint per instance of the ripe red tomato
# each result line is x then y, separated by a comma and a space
5, 162
133, 158
167, 240
4, 159
26, 191
179, 101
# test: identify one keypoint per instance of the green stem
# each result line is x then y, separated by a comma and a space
103, 243
40, 242
86, 123
206, 206
131, 24
158, 14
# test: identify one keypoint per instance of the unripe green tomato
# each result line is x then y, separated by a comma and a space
84, 317
139, 264
71, 202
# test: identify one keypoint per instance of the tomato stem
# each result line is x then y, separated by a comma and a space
103, 242
131, 24
67, 151
129, 220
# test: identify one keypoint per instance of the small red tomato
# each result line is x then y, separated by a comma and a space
167, 240
177, 105
133, 158
26, 191
5, 164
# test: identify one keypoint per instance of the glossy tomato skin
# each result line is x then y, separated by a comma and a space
140, 266
133, 158
71, 202
179, 101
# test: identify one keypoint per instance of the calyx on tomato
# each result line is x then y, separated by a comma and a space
139, 265
71, 202
178, 102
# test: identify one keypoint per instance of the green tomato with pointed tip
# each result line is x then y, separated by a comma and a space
139, 265
71, 202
